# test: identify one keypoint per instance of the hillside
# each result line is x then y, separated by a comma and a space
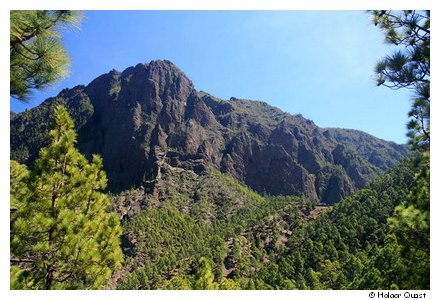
255, 242
151, 115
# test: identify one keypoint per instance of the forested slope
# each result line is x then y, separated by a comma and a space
270, 242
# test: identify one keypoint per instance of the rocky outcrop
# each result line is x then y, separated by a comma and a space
151, 114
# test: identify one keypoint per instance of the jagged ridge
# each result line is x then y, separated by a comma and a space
150, 115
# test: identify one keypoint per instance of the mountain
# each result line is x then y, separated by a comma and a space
149, 120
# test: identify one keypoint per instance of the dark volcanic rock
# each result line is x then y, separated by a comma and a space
151, 115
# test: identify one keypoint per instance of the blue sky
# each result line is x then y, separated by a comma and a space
317, 63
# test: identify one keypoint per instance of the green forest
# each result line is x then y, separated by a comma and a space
207, 230
273, 243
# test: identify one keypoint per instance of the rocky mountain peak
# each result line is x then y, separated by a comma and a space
150, 116
160, 78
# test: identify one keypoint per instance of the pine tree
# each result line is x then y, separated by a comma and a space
409, 65
312, 279
410, 227
204, 278
229, 284
62, 235
19, 175
37, 55
176, 283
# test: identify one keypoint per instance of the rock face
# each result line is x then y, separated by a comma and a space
150, 115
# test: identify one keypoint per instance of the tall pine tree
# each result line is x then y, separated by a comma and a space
409, 67
62, 234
